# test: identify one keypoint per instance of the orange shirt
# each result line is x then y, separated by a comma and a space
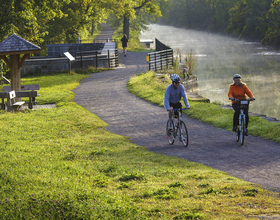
239, 92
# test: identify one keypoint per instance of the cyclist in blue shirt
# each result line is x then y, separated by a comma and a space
173, 95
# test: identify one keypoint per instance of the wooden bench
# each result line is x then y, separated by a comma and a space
11, 104
31, 94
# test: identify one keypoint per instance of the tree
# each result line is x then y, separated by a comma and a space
245, 17
270, 24
28, 18
149, 6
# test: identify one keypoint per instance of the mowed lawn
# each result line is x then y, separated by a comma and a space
62, 163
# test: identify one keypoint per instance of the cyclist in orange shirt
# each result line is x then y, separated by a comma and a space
239, 90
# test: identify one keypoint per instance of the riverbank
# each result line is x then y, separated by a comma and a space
219, 58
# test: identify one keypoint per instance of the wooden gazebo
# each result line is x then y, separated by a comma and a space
14, 46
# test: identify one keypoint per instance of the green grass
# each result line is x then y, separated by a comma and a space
62, 163
151, 88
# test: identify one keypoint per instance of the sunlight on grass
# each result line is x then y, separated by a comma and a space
152, 88
62, 163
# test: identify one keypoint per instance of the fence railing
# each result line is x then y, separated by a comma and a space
162, 58
112, 57
99, 40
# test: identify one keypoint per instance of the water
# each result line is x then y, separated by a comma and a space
220, 57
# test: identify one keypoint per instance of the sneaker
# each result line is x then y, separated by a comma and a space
125, 55
234, 128
181, 138
246, 132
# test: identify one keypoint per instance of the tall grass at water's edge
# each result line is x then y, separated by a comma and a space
62, 163
152, 87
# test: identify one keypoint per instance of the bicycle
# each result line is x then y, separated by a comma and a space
240, 131
179, 126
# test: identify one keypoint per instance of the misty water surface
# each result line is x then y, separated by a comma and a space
220, 57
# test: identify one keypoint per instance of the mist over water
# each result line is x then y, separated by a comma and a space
220, 57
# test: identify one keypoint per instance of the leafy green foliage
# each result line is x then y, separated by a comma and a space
40, 21
253, 19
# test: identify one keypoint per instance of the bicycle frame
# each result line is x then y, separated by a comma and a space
179, 119
179, 128
240, 131
242, 114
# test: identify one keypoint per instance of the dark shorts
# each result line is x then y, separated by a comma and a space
176, 106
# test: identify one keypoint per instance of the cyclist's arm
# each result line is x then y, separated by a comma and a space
230, 93
248, 92
166, 98
185, 98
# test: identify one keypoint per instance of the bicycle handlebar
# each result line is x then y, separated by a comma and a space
179, 109
238, 100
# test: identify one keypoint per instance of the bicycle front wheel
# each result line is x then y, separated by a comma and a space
237, 134
242, 132
184, 134
170, 136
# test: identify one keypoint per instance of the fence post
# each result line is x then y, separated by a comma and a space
149, 62
161, 60
167, 59
96, 64
82, 60
109, 59
116, 58
172, 58
155, 62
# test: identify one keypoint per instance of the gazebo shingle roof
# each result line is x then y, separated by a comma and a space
17, 45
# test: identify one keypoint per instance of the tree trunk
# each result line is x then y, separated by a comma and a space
126, 26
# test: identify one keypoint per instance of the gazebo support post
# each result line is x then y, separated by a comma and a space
15, 65
15, 73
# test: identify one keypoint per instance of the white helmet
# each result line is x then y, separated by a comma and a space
175, 78
236, 76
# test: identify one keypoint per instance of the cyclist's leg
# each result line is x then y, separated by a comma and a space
246, 116
235, 116
169, 132
178, 106
170, 116
170, 113
242, 132
246, 120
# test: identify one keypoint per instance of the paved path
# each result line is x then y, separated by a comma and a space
105, 34
105, 94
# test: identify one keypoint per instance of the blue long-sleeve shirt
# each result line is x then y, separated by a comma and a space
174, 96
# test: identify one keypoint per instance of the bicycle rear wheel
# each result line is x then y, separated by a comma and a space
242, 132
170, 136
184, 134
